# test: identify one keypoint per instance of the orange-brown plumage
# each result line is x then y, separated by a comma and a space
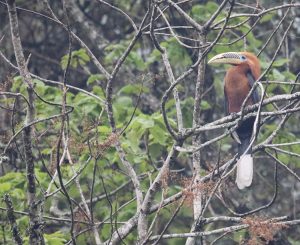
238, 82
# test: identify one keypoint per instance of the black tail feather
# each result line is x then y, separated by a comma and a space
244, 132
245, 142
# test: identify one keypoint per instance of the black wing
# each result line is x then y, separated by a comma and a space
254, 96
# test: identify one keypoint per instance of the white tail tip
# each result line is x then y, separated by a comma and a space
244, 172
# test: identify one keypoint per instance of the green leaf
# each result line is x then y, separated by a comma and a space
145, 122
12, 177
46, 151
78, 56
202, 12
154, 57
137, 61
23, 223
56, 238
289, 75
82, 54
95, 77
176, 53
158, 135
113, 52
86, 104
40, 87
277, 75
124, 101
205, 105
18, 85
97, 90
267, 17
133, 89
5, 187
64, 62
280, 62
42, 177
104, 129
155, 150
264, 64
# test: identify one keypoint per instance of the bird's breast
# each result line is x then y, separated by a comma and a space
236, 89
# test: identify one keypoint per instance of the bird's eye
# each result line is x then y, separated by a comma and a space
243, 57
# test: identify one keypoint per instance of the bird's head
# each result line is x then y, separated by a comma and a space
232, 58
238, 58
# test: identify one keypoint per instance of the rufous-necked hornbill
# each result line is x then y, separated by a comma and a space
239, 80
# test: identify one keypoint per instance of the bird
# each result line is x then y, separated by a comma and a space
238, 81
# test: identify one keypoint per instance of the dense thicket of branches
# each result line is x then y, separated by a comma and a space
113, 130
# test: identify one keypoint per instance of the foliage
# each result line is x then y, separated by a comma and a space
98, 147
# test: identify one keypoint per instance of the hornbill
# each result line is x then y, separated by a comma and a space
238, 81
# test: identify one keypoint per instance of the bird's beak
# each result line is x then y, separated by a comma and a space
232, 58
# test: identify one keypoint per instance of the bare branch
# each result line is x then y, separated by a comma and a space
12, 220
35, 231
